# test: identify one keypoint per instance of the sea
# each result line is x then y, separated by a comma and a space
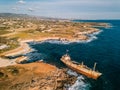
102, 48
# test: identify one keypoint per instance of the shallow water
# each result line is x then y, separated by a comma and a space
103, 49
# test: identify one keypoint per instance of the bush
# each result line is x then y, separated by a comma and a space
15, 71
1, 74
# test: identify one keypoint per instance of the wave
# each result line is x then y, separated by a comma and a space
80, 84
72, 73
91, 37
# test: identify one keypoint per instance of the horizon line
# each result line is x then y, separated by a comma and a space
57, 17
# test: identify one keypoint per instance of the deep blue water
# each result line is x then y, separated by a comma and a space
105, 50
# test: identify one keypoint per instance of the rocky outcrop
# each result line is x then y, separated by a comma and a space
34, 76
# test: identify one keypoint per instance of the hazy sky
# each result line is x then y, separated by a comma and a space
82, 9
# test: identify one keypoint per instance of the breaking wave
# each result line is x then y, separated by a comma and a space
91, 37
80, 84
70, 72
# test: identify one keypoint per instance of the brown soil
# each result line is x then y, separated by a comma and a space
34, 76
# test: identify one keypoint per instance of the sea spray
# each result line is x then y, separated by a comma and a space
91, 37
80, 84
72, 73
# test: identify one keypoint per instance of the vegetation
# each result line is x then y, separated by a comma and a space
23, 27
4, 32
11, 43
1, 74
13, 70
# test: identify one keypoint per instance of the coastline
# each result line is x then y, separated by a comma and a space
25, 48
34, 76
63, 31
83, 36
69, 33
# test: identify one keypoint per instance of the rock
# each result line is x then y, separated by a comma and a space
41, 76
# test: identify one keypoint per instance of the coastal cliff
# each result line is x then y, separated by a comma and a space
34, 76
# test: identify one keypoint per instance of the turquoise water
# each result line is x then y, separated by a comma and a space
104, 49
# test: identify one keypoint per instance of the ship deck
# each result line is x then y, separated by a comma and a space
80, 68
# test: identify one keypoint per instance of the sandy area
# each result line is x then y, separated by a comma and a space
6, 62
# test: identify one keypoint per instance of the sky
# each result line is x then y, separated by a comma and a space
73, 9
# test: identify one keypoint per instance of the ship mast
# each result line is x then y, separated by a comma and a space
94, 66
82, 63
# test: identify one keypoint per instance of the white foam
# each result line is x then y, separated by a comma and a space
70, 72
80, 84
90, 36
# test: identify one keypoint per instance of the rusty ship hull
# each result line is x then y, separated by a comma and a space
82, 69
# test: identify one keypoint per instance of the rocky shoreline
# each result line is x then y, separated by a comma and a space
24, 47
38, 75
40, 79
34, 76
